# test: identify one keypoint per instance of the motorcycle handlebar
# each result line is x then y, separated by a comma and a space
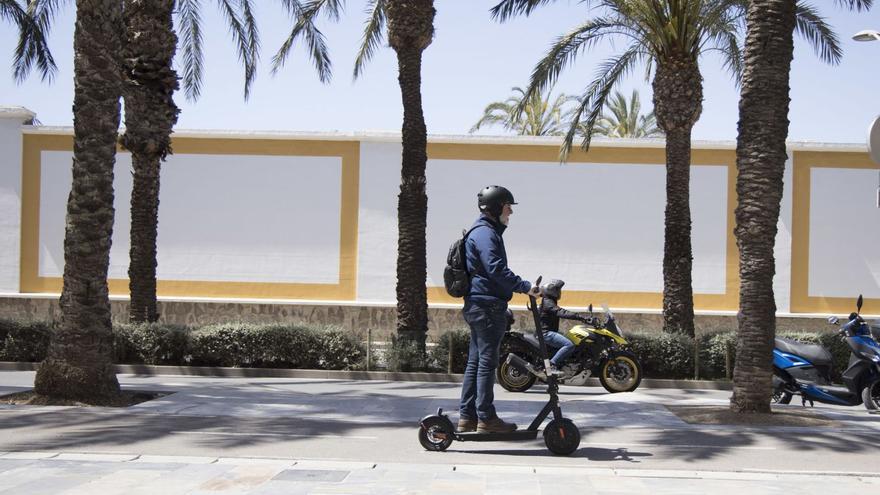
852, 324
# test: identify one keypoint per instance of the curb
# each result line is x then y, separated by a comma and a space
393, 376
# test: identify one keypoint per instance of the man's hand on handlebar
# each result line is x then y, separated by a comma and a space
535, 291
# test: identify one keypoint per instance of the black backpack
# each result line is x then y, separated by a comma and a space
455, 276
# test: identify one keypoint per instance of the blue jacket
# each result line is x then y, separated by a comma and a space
491, 279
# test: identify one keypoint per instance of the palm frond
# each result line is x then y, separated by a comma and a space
190, 32
243, 43
304, 26
566, 48
818, 33
374, 30
253, 41
507, 9
609, 73
857, 5
32, 49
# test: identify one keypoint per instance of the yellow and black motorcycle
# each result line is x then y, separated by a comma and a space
600, 350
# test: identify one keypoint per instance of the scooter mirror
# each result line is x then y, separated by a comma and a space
859, 302
590, 309
833, 320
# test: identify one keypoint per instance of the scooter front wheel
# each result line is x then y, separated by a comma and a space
871, 395
434, 434
562, 437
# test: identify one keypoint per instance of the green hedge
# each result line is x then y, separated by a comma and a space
290, 346
662, 355
231, 344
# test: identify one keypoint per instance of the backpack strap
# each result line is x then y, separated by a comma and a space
464, 248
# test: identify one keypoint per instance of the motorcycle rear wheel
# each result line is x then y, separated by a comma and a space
871, 395
621, 372
512, 379
781, 397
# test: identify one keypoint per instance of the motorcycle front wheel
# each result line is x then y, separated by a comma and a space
512, 379
621, 372
871, 395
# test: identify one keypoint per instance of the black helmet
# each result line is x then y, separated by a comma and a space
553, 288
492, 199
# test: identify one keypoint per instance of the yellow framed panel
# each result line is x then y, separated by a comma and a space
803, 163
345, 289
728, 301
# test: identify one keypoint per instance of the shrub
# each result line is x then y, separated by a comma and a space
24, 341
339, 350
406, 355
439, 354
150, 343
715, 351
663, 355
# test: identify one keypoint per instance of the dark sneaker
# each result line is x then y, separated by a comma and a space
466, 425
495, 425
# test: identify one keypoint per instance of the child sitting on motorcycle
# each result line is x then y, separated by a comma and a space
550, 313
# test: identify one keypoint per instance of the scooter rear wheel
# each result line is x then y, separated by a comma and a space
871, 395
433, 434
562, 437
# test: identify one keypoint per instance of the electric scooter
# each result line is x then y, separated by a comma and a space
562, 437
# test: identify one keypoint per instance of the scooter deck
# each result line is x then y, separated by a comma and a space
497, 437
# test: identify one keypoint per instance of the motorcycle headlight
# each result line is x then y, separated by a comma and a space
875, 358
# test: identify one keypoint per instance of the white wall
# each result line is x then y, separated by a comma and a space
232, 218
377, 221
11, 120
844, 233
782, 248
599, 227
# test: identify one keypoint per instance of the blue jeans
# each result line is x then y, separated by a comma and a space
488, 322
556, 339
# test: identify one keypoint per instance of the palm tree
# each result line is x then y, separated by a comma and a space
539, 117
760, 160
410, 30
624, 120
79, 363
150, 115
150, 112
670, 36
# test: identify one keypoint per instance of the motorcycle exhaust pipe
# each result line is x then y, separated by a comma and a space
522, 365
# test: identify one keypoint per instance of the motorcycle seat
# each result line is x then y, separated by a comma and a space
814, 353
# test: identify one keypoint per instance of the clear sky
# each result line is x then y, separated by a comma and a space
472, 61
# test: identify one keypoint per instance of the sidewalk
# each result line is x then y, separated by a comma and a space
285, 435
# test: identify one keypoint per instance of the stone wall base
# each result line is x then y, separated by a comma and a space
380, 320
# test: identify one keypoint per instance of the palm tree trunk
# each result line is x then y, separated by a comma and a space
410, 30
150, 115
678, 294
760, 161
678, 97
79, 364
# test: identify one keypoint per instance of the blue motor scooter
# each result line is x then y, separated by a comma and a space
805, 369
